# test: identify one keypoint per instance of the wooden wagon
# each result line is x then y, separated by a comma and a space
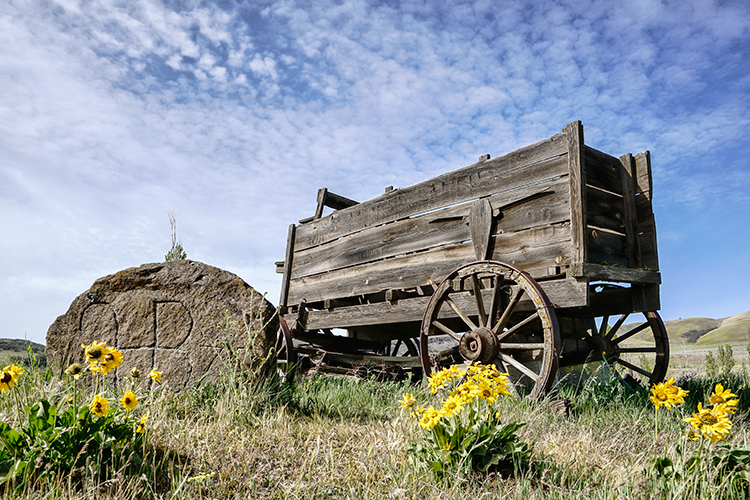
533, 260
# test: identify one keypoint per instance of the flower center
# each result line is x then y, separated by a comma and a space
6, 377
709, 419
662, 396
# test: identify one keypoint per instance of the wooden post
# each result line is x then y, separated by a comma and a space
630, 212
576, 164
287, 268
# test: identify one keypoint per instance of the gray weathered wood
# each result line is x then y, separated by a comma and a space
480, 224
520, 168
604, 210
288, 262
535, 248
564, 293
607, 248
598, 272
646, 223
630, 210
577, 168
602, 170
542, 204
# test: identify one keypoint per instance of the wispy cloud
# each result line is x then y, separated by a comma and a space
236, 113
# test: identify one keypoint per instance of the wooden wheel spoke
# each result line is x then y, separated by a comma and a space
395, 348
510, 331
519, 366
612, 331
508, 310
461, 314
631, 350
631, 366
479, 300
521, 345
603, 329
447, 330
638, 329
495, 303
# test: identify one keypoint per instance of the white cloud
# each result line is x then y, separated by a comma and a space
264, 66
113, 111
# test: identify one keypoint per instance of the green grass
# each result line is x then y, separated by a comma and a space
341, 437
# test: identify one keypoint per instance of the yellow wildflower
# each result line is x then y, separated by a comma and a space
486, 391
407, 401
452, 405
17, 371
75, 370
7, 381
724, 398
141, 427
430, 418
129, 400
438, 380
99, 406
417, 411
712, 423
94, 352
155, 376
135, 373
667, 394
110, 360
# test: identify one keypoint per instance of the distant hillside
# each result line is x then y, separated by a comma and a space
733, 329
17, 351
708, 332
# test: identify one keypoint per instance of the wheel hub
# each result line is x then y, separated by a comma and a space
479, 345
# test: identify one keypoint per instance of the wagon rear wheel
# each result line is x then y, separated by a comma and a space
635, 342
492, 312
286, 357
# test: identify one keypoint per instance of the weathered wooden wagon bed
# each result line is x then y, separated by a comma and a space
520, 260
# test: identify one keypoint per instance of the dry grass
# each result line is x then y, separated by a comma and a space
339, 438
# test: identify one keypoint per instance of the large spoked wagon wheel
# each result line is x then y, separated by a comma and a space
637, 342
492, 312
286, 357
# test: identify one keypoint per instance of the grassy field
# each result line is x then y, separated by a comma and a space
341, 437
344, 437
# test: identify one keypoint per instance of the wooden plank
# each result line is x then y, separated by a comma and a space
522, 167
607, 248
604, 210
603, 171
480, 224
357, 360
647, 242
598, 272
646, 222
445, 227
631, 215
287, 266
643, 180
577, 168
562, 293
540, 247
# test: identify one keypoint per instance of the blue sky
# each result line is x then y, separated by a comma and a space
235, 113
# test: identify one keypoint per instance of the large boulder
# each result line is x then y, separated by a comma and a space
186, 319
